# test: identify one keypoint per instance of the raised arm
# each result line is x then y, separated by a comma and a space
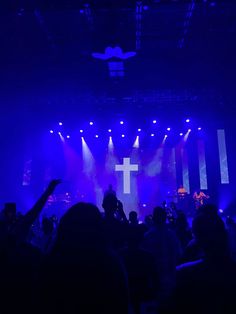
33, 213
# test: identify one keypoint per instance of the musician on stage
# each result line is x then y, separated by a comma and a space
182, 193
199, 198
110, 191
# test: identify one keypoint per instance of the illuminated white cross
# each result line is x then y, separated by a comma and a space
127, 167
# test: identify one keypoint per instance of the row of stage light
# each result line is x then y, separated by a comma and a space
122, 135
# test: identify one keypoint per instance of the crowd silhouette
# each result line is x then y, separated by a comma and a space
94, 261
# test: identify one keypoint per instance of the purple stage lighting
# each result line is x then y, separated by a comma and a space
91, 123
187, 120
96, 136
81, 131
121, 122
168, 129
199, 129
109, 130
68, 136
51, 131
165, 136
181, 134
122, 135
139, 130
60, 123
152, 134
154, 121
189, 130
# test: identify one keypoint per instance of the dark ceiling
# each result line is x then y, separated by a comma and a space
185, 58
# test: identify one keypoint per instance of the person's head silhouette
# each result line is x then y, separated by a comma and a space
210, 233
159, 215
81, 226
110, 204
133, 217
9, 212
210, 209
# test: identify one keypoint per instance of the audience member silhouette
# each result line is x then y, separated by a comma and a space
82, 275
134, 224
140, 266
45, 238
19, 262
115, 221
231, 228
209, 284
182, 229
133, 218
193, 251
96, 264
165, 247
18, 229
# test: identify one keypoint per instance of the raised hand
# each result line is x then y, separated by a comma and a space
52, 185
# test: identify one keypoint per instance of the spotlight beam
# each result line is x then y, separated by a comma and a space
136, 142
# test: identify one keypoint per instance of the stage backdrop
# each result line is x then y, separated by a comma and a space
144, 172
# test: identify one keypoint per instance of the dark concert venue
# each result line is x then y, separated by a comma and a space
118, 150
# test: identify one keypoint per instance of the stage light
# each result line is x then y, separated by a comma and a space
139, 130
164, 139
61, 137
96, 136
51, 131
181, 134
109, 130
136, 142
91, 123
110, 143
81, 131
154, 121
144, 205
122, 135
168, 129
152, 134
187, 120
60, 123
88, 159
199, 129
121, 122
221, 211
68, 136
186, 135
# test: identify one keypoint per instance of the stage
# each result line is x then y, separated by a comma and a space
145, 166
